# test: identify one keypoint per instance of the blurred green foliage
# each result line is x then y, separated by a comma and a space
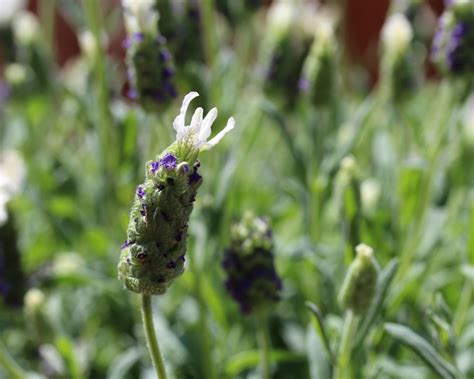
84, 158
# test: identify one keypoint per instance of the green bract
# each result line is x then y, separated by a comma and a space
358, 288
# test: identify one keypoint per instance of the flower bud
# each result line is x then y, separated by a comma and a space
12, 175
287, 45
89, 46
12, 279
181, 24
369, 195
150, 64
453, 42
16, 74
34, 300
153, 254
358, 288
26, 28
252, 280
9, 9
318, 79
399, 65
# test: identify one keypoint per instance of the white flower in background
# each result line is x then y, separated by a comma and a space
280, 16
26, 27
88, 44
397, 33
196, 134
34, 299
348, 165
12, 175
68, 263
369, 195
140, 15
8, 9
16, 74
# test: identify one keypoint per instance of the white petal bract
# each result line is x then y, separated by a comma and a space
197, 133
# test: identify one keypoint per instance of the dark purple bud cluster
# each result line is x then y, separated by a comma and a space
252, 279
182, 27
453, 42
12, 280
283, 73
318, 79
150, 71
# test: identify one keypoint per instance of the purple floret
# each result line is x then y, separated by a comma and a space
140, 192
132, 94
155, 165
168, 161
165, 55
194, 177
303, 85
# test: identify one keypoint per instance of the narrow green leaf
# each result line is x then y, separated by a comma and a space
121, 366
320, 328
214, 302
251, 358
423, 348
65, 347
383, 283
470, 244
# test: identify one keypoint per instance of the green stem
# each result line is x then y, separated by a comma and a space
47, 11
11, 367
105, 125
206, 357
209, 34
345, 348
462, 309
264, 345
147, 315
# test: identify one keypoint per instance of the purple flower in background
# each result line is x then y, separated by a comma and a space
252, 280
453, 42
303, 85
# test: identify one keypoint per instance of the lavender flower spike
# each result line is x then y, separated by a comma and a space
154, 252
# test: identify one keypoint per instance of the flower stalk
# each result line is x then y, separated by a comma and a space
261, 322
345, 348
11, 367
152, 342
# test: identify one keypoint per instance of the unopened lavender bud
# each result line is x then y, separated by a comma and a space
26, 28
181, 24
154, 252
89, 46
16, 74
399, 64
453, 42
369, 195
358, 288
287, 46
251, 276
348, 170
150, 64
318, 79
34, 300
